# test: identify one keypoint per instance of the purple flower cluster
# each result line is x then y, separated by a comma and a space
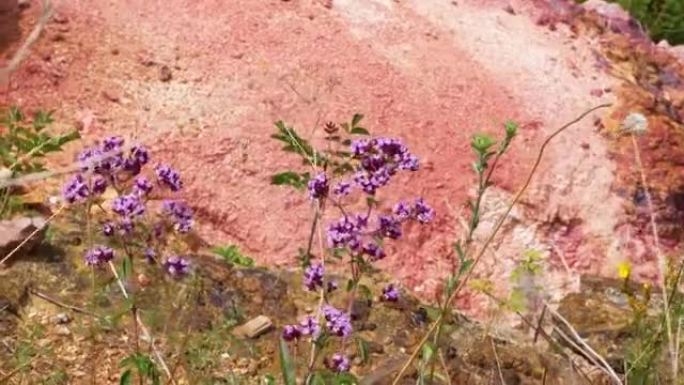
338, 363
180, 213
342, 189
419, 211
150, 255
107, 161
390, 293
128, 206
108, 158
137, 158
99, 255
169, 177
308, 327
318, 186
142, 186
347, 232
110, 164
313, 276
338, 322
351, 233
379, 160
177, 267
108, 229
291, 332
75, 190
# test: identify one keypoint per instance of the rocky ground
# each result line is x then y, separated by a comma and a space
55, 330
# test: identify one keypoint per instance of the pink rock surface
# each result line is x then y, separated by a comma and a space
431, 72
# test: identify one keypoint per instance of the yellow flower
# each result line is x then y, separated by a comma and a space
624, 270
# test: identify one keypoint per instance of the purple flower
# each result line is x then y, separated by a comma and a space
379, 159
181, 214
99, 255
318, 186
331, 286
150, 255
75, 190
168, 176
360, 147
108, 229
291, 332
104, 159
344, 233
126, 226
373, 250
342, 189
389, 227
338, 322
137, 158
390, 293
409, 162
423, 212
176, 266
313, 276
339, 363
310, 327
112, 143
402, 211
128, 206
142, 185
99, 185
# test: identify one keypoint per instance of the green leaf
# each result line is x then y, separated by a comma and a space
15, 115
232, 255
270, 380
346, 379
427, 352
291, 178
362, 349
42, 119
355, 120
126, 378
286, 364
365, 292
126, 267
359, 131
317, 379
297, 144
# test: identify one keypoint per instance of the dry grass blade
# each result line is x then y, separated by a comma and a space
4, 379
489, 240
61, 304
33, 234
498, 363
588, 351
143, 328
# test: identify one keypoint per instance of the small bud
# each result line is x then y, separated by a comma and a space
511, 129
331, 128
481, 143
635, 123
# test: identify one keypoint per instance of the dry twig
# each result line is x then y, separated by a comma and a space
24, 50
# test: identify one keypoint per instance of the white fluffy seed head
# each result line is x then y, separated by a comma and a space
635, 123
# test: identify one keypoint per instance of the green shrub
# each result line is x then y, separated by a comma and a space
23, 144
664, 19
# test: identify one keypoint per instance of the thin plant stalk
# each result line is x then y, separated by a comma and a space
490, 238
662, 260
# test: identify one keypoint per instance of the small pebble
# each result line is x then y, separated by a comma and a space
61, 319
